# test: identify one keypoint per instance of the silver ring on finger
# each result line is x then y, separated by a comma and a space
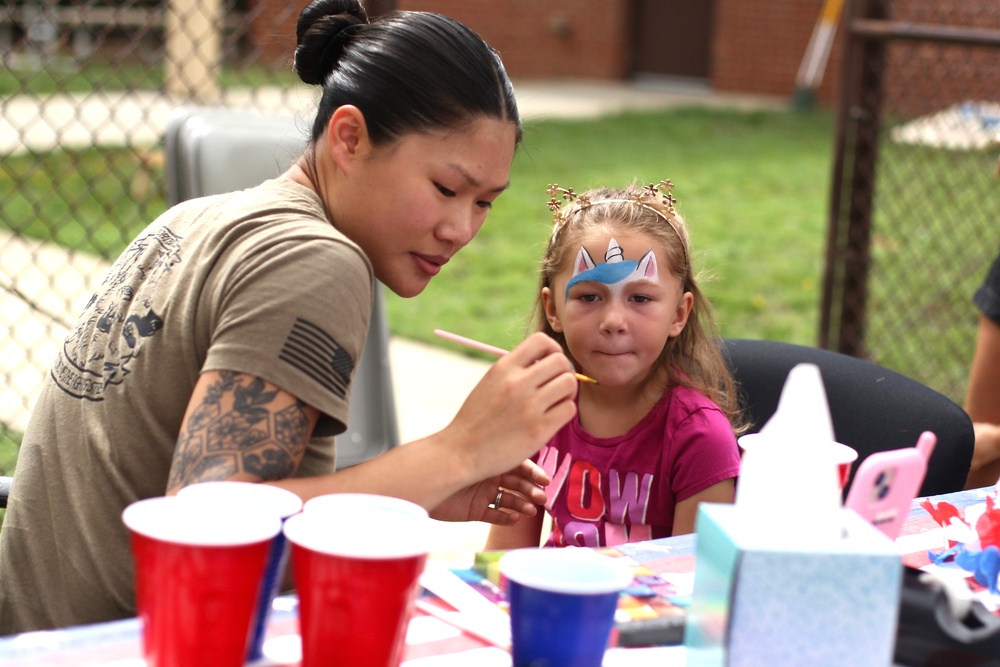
496, 501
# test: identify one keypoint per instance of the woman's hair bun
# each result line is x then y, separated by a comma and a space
323, 30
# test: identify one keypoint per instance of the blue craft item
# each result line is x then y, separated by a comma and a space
946, 555
985, 565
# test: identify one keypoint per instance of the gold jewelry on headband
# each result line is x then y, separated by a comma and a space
644, 198
654, 193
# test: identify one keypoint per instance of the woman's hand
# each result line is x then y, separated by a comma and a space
523, 491
524, 398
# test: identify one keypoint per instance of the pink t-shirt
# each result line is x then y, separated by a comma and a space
608, 491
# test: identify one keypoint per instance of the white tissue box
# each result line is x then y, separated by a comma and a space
758, 602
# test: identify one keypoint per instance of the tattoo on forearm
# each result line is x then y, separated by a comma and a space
239, 427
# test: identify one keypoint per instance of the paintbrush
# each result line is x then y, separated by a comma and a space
493, 349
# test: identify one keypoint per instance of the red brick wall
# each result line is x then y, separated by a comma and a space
272, 26
546, 38
922, 77
759, 44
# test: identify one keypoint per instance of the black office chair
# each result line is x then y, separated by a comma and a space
873, 408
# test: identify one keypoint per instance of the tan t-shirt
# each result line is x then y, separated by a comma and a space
257, 281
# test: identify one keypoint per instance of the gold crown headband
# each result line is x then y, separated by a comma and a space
644, 198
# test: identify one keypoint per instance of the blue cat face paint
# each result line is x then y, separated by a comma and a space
615, 271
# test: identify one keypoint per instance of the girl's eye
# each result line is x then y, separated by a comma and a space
485, 204
445, 191
588, 298
641, 298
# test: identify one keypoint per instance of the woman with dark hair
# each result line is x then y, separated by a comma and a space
222, 343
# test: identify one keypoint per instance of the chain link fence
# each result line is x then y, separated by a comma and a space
915, 215
87, 87
86, 90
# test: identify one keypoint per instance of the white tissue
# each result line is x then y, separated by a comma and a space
787, 487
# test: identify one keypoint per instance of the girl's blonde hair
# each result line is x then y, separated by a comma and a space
691, 359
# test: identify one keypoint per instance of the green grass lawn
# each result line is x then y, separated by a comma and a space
752, 186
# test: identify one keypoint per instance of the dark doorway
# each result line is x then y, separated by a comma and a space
673, 38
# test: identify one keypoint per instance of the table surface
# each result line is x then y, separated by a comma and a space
430, 641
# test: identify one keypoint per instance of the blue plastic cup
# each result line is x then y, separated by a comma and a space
270, 500
562, 605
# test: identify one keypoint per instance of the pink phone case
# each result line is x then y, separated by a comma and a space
887, 482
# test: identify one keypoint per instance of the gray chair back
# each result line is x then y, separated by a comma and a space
214, 150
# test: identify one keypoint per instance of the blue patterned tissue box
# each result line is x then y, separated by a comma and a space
757, 603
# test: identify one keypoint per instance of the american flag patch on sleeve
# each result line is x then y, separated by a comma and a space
315, 352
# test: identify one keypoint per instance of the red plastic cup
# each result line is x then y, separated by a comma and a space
267, 499
337, 503
842, 455
356, 575
198, 572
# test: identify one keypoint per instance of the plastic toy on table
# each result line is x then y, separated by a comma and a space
887, 482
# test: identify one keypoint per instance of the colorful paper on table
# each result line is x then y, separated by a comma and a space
652, 611
428, 638
947, 534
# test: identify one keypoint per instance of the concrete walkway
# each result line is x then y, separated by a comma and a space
588, 99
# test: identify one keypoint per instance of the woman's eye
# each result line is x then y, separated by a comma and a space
445, 191
485, 204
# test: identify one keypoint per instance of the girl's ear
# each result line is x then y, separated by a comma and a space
549, 304
347, 135
682, 313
